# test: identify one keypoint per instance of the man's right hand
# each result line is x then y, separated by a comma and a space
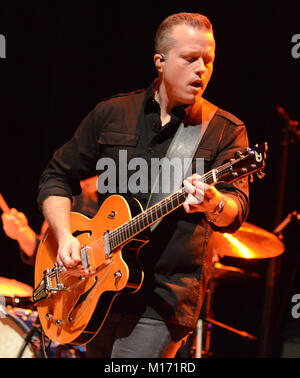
68, 253
68, 256
57, 213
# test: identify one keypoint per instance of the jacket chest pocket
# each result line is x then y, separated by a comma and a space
117, 146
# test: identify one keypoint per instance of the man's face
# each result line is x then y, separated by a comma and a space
188, 66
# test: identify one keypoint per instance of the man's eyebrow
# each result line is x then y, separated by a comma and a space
209, 53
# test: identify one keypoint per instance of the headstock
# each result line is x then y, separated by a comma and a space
246, 163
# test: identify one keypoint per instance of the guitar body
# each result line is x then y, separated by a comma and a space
74, 316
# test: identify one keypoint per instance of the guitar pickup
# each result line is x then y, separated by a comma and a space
106, 244
85, 258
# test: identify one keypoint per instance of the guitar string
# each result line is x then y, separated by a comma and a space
65, 275
138, 221
116, 235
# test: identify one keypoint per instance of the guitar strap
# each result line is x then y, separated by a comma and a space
183, 146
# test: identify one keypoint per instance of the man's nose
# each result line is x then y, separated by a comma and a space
200, 67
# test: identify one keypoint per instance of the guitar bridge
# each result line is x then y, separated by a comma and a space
45, 287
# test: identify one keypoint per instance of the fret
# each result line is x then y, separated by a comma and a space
149, 218
207, 179
169, 206
172, 203
161, 210
158, 212
134, 230
111, 240
126, 231
142, 223
143, 220
178, 199
166, 205
122, 233
152, 213
139, 224
117, 237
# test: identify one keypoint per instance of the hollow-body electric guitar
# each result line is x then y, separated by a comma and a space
72, 309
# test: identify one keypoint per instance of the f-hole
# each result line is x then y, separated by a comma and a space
77, 233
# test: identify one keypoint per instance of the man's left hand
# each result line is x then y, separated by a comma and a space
201, 197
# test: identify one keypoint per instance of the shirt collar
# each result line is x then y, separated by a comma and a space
152, 106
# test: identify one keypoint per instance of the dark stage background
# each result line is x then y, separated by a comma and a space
62, 59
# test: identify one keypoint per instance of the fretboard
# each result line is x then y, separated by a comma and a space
145, 219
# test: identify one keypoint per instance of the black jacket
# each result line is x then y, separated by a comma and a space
178, 257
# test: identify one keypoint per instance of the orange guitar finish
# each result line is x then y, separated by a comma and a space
65, 315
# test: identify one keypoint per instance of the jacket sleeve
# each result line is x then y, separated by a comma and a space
234, 138
74, 161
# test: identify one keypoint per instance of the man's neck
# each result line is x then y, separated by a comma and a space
165, 105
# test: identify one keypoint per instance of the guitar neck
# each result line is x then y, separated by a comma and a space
161, 209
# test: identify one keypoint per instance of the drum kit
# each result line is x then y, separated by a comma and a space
21, 334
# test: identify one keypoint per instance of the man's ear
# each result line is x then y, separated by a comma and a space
159, 61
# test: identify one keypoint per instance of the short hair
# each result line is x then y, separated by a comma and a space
163, 39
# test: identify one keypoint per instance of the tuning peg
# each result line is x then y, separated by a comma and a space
248, 151
260, 174
238, 154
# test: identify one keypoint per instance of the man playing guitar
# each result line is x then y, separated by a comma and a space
156, 320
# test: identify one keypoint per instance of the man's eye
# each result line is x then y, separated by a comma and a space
207, 62
190, 59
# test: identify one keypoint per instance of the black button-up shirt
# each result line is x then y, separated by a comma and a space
177, 259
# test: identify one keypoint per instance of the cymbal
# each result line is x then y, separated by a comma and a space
249, 242
12, 288
226, 272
